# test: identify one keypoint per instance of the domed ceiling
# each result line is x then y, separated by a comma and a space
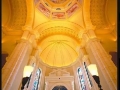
59, 50
58, 1
58, 9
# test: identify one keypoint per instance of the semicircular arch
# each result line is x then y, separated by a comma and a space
52, 24
62, 84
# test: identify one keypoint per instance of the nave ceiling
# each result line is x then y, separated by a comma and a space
96, 14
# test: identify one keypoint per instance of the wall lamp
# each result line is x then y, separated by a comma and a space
93, 70
26, 75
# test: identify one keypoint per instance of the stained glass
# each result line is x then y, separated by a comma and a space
88, 76
36, 81
81, 79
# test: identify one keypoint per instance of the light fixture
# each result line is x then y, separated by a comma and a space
26, 75
93, 70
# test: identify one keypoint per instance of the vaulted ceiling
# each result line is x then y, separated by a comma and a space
59, 25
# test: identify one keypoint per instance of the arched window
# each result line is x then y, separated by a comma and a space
81, 79
37, 78
88, 75
59, 88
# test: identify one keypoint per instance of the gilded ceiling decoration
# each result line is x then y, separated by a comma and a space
58, 11
18, 14
58, 1
97, 13
60, 31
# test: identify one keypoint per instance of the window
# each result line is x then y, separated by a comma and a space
37, 78
88, 75
81, 79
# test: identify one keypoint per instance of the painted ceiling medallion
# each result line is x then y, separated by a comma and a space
58, 9
58, 1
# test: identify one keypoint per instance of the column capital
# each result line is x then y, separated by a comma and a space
82, 51
27, 27
30, 37
25, 34
32, 60
86, 59
88, 34
92, 40
85, 56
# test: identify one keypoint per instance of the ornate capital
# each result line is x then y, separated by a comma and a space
32, 60
27, 27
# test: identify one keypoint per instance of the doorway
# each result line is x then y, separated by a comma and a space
59, 88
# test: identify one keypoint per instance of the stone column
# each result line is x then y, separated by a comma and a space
102, 59
12, 71
33, 60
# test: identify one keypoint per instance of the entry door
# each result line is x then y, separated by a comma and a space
59, 88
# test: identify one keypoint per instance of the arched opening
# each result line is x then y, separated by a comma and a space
37, 80
59, 88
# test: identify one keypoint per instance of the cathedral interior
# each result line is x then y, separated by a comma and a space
53, 44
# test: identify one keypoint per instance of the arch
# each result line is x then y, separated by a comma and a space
52, 24
60, 84
59, 87
6, 12
30, 15
86, 15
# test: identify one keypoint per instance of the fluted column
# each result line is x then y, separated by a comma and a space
103, 61
12, 71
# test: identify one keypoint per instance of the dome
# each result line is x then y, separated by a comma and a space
58, 1
58, 50
58, 9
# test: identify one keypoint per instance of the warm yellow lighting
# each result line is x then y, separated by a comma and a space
93, 69
58, 50
27, 71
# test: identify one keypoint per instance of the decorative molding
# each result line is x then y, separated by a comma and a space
97, 13
18, 14
59, 30
59, 79
86, 15
59, 72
